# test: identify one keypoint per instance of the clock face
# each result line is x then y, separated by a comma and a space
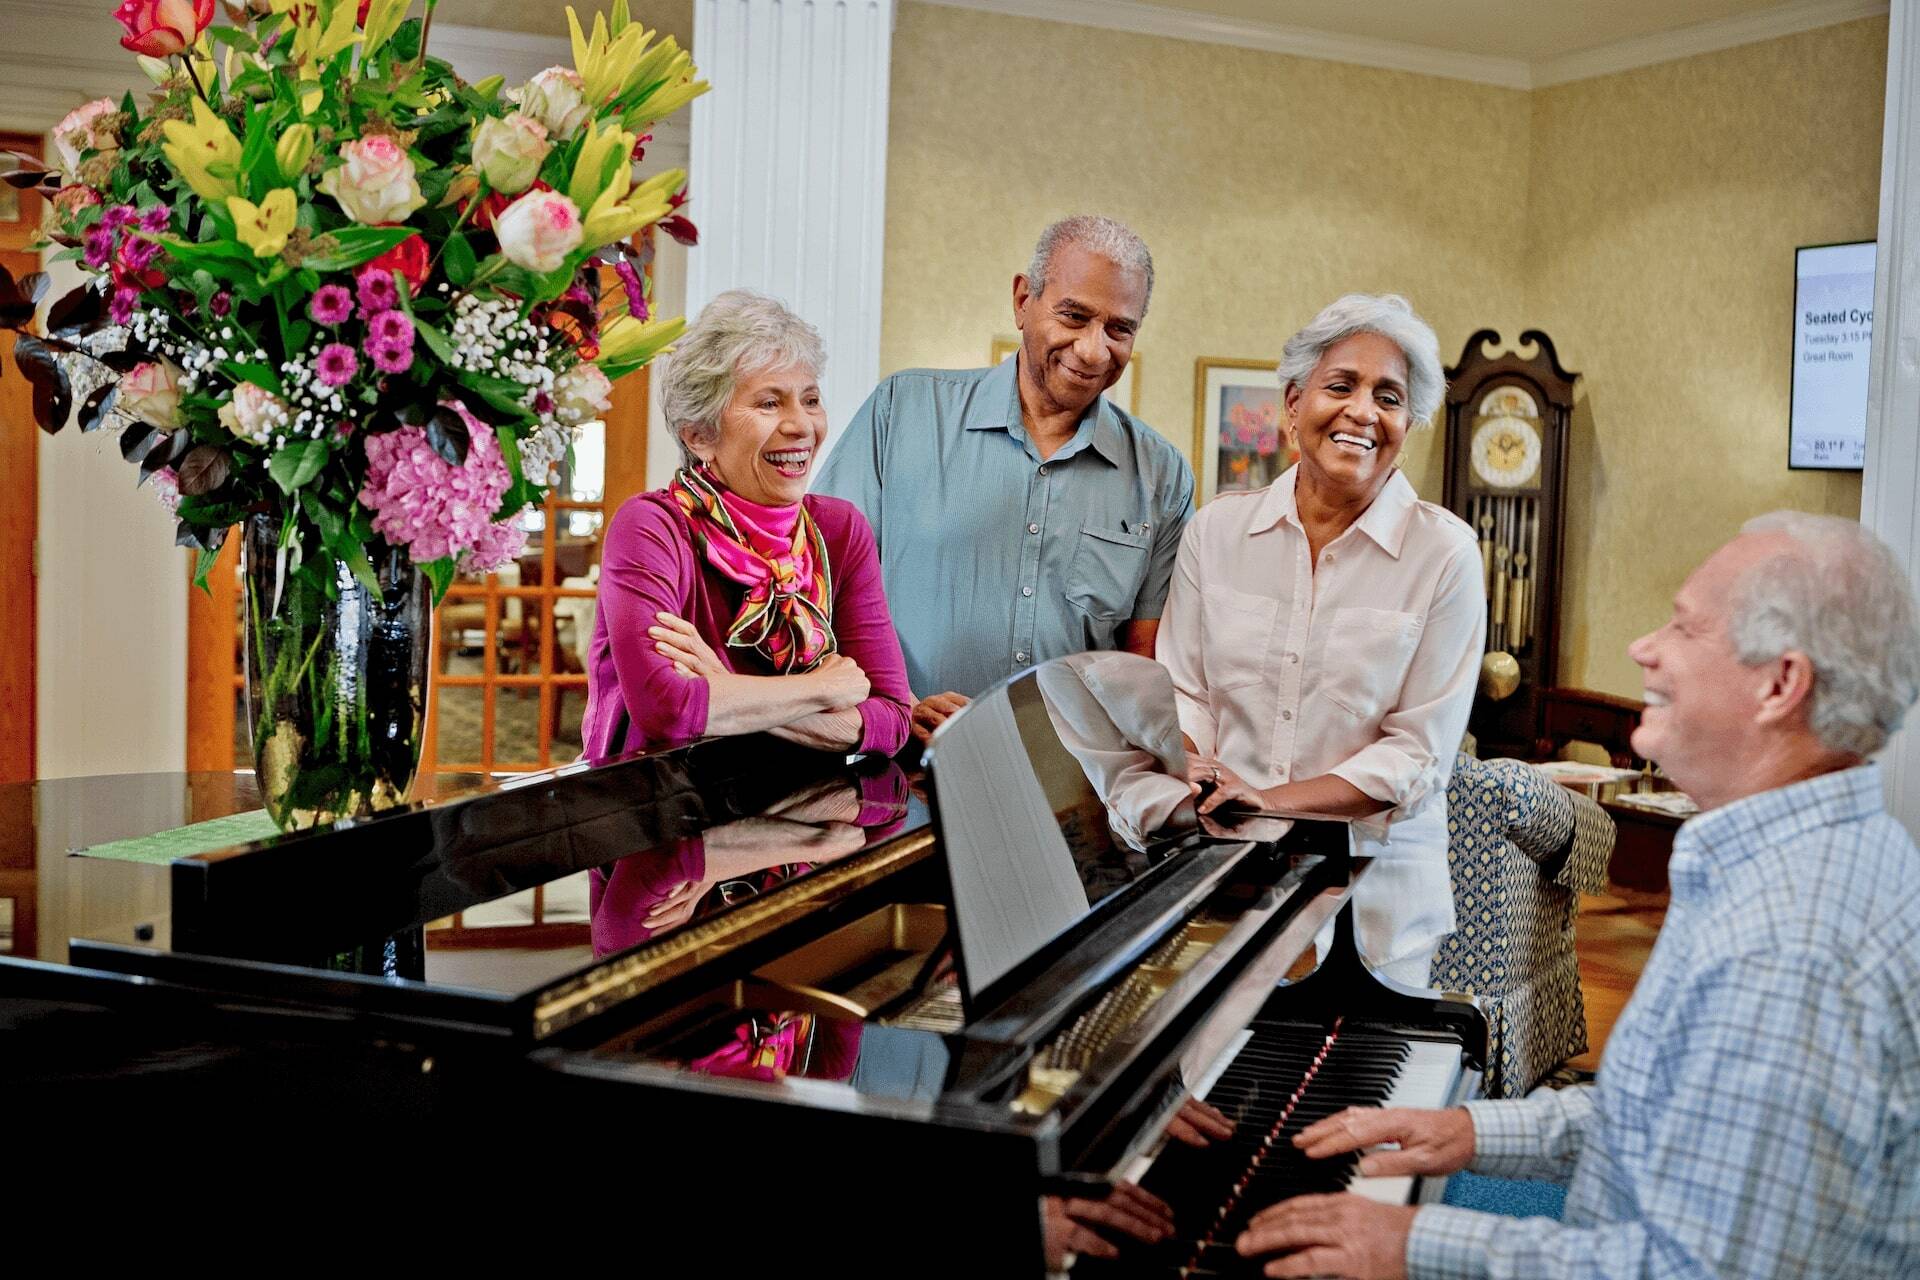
1506, 452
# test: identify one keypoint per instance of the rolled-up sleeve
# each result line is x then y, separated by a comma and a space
1178, 644
864, 629
1417, 741
647, 569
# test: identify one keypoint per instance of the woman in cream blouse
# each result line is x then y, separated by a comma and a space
1324, 633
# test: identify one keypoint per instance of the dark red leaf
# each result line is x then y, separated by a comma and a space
52, 393
95, 408
138, 440
205, 469
78, 312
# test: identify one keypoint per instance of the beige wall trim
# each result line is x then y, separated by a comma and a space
1892, 475
1270, 37
1508, 73
1702, 37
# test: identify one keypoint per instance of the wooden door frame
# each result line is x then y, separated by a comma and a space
20, 513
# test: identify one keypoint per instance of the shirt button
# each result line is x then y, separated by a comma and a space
1020, 657
1293, 657
1026, 591
1286, 715
1033, 528
1043, 471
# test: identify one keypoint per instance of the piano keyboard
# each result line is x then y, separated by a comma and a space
1276, 1080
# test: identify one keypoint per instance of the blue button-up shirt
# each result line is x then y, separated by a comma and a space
994, 558
1758, 1109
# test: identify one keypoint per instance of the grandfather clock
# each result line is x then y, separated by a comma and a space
1508, 418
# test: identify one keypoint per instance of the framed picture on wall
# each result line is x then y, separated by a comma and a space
1125, 393
1239, 435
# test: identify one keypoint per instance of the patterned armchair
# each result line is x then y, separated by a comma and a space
1521, 849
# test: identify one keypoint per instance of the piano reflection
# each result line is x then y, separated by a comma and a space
804, 996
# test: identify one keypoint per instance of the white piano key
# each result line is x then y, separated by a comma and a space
1426, 1079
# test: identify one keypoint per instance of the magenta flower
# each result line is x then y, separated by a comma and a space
377, 291
99, 248
390, 329
220, 304
337, 363
636, 291
390, 357
330, 305
120, 310
155, 218
424, 503
137, 254
117, 217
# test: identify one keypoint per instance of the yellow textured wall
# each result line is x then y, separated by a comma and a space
1646, 220
1265, 185
1666, 206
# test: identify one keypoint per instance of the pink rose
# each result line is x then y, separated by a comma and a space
508, 152
162, 28
150, 391
376, 185
555, 99
254, 412
70, 200
74, 134
539, 230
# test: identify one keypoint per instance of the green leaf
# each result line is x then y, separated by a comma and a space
358, 245
405, 44
325, 518
440, 573
437, 342
260, 171
459, 261
356, 558
258, 374
297, 462
235, 36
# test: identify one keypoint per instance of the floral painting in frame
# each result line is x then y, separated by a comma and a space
1239, 426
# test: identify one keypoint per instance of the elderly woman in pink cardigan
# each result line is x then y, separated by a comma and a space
731, 601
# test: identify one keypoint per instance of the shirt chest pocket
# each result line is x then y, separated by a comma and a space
1238, 630
1104, 576
1365, 657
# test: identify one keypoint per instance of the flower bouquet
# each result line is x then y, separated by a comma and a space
347, 300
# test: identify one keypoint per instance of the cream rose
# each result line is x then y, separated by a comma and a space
508, 151
254, 412
554, 98
75, 133
539, 230
376, 185
150, 391
581, 393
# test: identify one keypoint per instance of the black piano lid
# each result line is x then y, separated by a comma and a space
333, 918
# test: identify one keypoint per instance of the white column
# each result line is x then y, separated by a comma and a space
789, 169
1892, 479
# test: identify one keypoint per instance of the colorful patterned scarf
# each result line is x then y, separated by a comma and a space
787, 615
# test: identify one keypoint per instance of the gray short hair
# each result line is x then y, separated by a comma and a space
1102, 237
739, 332
1387, 314
1842, 599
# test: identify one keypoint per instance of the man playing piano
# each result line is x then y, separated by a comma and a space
1758, 1109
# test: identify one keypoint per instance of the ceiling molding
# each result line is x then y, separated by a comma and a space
1703, 37
1269, 37
1511, 73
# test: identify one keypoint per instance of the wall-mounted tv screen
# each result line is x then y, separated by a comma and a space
1832, 335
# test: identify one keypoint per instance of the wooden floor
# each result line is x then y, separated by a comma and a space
1614, 935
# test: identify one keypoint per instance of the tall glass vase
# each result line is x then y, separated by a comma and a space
336, 686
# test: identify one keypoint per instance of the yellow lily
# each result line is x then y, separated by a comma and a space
204, 153
383, 19
264, 227
314, 43
612, 218
604, 165
293, 151
607, 61
629, 342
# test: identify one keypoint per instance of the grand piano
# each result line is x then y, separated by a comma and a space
812, 990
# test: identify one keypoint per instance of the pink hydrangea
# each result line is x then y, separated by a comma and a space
500, 542
424, 503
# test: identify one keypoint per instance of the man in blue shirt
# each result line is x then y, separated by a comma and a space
1020, 514
1758, 1110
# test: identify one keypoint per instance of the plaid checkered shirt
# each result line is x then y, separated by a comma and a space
1758, 1109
